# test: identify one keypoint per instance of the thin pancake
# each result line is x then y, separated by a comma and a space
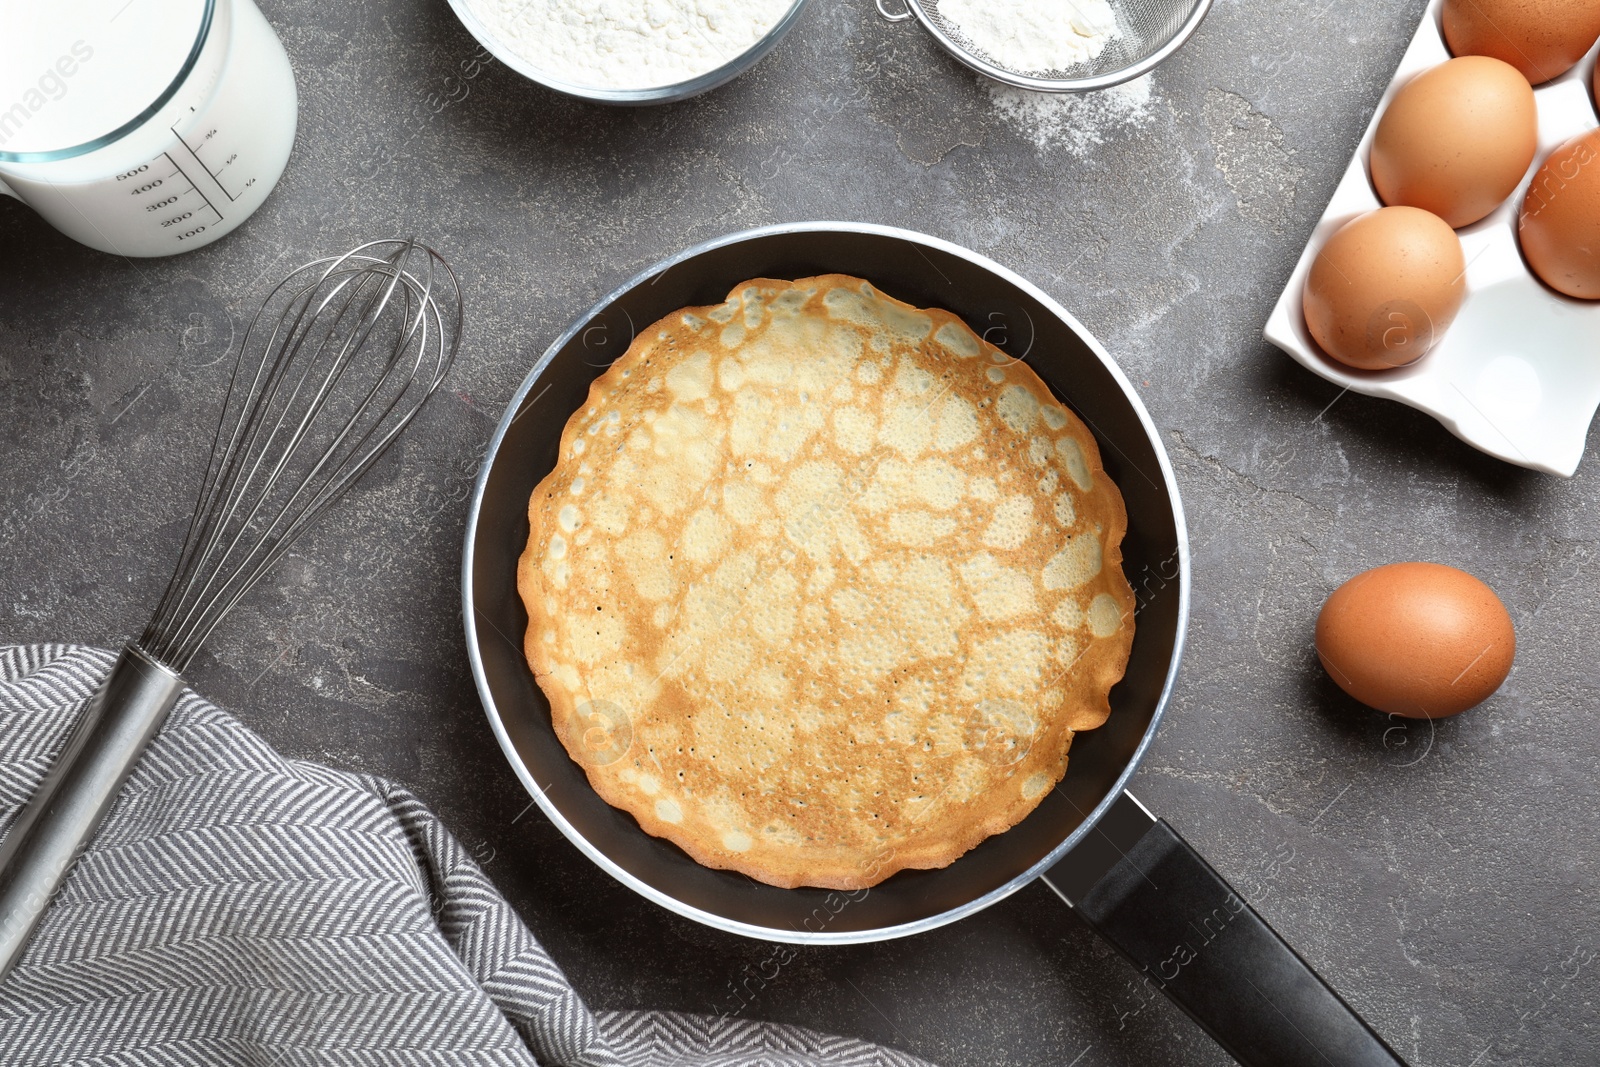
822, 585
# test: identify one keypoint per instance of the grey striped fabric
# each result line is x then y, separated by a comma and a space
238, 908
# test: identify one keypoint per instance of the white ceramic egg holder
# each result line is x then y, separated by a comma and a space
1518, 373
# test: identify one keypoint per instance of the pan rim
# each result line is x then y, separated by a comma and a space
666, 900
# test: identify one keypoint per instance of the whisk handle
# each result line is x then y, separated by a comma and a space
56, 824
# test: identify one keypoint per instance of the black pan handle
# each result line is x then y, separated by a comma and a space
1158, 902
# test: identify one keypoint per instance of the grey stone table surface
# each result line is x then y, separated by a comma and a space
1441, 878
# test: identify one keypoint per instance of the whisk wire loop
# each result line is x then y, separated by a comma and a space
334, 366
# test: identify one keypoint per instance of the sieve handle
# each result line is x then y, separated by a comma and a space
79, 789
1159, 903
890, 16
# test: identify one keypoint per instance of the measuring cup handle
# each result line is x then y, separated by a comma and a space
891, 16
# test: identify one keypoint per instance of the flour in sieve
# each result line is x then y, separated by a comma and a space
1033, 36
629, 44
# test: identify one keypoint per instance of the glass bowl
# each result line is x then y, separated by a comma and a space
659, 94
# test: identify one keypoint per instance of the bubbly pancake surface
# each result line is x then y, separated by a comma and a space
822, 584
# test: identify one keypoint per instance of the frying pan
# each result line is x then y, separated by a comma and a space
1127, 873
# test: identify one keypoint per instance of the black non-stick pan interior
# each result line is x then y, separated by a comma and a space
927, 275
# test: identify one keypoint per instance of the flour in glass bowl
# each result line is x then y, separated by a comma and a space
1033, 36
629, 44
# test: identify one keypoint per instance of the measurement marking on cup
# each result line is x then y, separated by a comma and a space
216, 175
161, 190
195, 186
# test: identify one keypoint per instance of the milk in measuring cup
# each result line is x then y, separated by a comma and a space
142, 127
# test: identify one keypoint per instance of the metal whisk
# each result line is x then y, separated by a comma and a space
335, 365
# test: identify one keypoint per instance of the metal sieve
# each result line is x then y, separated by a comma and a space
1148, 32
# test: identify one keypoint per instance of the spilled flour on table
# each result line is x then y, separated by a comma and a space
1077, 121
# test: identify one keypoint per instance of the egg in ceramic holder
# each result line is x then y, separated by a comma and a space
1518, 373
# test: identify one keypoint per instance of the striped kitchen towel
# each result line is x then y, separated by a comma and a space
239, 908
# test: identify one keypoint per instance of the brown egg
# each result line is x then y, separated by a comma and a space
1416, 639
1560, 224
1541, 38
1456, 139
1385, 287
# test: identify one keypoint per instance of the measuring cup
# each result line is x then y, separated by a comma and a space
143, 127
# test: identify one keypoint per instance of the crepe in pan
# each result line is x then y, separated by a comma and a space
822, 584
